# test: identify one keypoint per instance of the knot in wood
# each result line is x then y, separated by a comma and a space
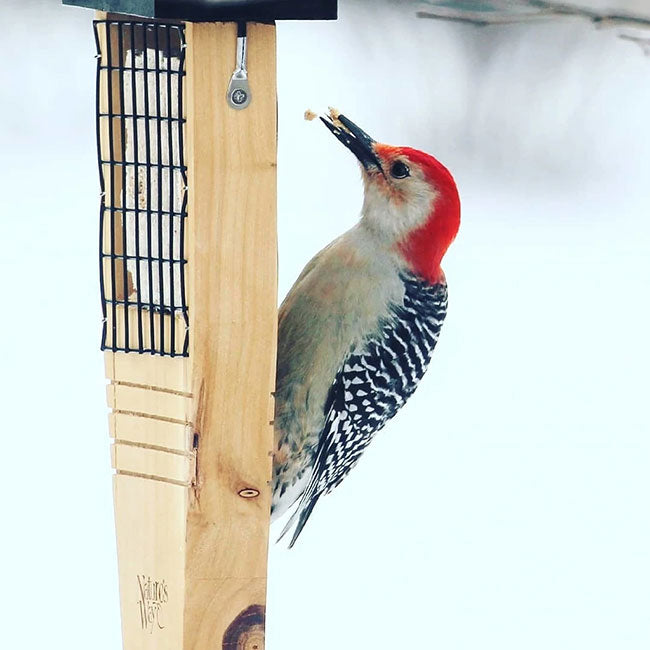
249, 493
246, 632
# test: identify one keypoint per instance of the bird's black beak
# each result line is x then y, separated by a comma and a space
355, 139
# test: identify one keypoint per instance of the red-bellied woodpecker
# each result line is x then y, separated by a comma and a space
358, 327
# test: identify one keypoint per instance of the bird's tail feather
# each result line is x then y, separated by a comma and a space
308, 500
304, 513
289, 524
299, 518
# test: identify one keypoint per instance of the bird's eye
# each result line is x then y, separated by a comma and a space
399, 170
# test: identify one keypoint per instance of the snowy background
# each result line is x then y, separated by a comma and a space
506, 507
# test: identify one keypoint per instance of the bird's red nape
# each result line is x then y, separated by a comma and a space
425, 247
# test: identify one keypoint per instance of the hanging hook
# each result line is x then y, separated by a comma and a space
239, 92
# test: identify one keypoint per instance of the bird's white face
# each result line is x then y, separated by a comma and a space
399, 197
411, 203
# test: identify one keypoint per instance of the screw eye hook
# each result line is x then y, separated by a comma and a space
239, 92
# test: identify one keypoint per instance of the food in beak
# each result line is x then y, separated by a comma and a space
354, 138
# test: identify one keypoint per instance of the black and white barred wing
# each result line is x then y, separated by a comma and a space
370, 387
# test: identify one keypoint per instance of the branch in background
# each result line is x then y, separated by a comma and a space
503, 12
499, 12
642, 42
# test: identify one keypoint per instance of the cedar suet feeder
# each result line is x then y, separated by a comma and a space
186, 135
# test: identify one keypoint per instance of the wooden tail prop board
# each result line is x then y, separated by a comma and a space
192, 427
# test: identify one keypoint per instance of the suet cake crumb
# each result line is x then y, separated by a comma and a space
310, 115
334, 116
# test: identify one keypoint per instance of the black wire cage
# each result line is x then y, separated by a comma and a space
143, 175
